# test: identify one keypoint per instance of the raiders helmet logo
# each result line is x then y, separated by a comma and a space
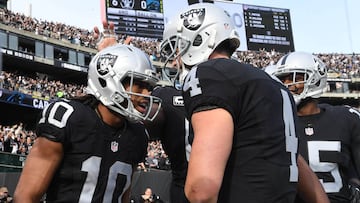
127, 4
105, 63
193, 19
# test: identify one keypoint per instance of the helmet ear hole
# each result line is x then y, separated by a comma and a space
197, 41
102, 82
125, 103
118, 98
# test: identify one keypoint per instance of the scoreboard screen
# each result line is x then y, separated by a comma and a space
140, 18
268, 28
259, 27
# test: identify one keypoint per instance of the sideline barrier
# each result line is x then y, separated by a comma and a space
11, 162
10, 169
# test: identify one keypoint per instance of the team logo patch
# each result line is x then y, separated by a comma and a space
309, 131
193, 19
127, 4
178, 101
105, 63
114, 146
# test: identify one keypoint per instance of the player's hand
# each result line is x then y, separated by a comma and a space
128, 40
107, 37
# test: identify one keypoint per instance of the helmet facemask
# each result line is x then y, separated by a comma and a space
294, 79
123, 100
172, 49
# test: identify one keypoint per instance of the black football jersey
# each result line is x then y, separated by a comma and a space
329, 141
176, 135
262, 165
98, 159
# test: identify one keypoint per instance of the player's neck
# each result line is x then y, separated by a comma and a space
310, 108
217, 55
108, 117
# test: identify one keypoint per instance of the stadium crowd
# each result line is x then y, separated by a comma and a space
17, 140
40, 88
347, 65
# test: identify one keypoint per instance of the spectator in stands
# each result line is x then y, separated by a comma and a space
142, 167
8, 140
147, 197
4, 195
151, 161
1, 140
29, 143
103, 129
1, 78
163, 162
22, 150
329, 135
14, 142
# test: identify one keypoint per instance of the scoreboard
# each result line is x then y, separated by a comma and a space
268, 28
141, 18
259, 27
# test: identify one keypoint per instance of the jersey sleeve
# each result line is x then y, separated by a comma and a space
207, 87
54, 120
355, 137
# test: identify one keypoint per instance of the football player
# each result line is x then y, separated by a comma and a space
88, 147
170, 125
245, 145
329, 135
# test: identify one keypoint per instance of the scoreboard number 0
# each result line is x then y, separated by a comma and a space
143, 5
